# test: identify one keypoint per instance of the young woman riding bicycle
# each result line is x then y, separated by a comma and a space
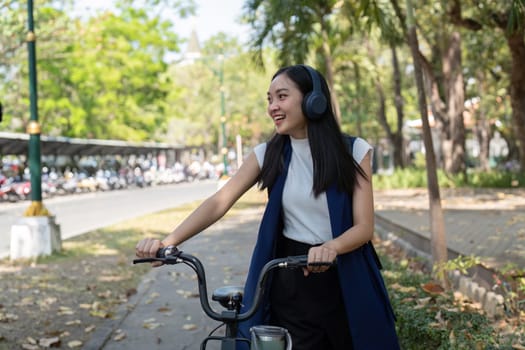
320, 204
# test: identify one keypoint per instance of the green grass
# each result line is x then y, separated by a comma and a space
121, 238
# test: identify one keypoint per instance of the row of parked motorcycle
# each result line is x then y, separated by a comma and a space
17, 187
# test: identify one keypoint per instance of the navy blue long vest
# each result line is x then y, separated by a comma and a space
370, 315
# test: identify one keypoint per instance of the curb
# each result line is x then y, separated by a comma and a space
475, 287
104, 332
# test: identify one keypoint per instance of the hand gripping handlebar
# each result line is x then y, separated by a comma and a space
171, 255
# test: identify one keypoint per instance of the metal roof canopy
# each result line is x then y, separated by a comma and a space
17, 144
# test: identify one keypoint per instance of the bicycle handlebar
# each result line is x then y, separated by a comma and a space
171, 255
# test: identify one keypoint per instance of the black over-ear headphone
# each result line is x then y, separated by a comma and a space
314, 103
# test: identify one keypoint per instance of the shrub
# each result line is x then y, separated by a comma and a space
433, 321
417, 177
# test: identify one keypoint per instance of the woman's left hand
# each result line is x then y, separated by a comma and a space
323, 253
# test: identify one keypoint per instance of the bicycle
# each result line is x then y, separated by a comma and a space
230, 297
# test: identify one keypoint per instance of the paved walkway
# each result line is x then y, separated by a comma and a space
489, 224
166, 314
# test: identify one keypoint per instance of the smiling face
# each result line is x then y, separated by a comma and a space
284, 107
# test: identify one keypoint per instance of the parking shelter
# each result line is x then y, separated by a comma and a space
18, 143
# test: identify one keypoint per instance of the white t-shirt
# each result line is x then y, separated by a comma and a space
306, 218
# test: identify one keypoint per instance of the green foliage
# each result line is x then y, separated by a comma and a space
118, 78
194, 109
417, 177
99, 77
496, 179
112, 75
461, 263
408, 178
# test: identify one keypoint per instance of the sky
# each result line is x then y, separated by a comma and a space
213, 16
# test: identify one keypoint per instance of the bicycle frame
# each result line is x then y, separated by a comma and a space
228, 297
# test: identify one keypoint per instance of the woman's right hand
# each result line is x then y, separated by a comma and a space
147, 248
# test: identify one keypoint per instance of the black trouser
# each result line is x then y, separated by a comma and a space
311, 308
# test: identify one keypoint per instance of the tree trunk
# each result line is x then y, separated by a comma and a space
359, 124
329, 67
517, 90
437, 223
482, 128
448, 112
482, 133
455, 154
397, 140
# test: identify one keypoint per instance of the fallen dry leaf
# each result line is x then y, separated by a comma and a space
189, 327
432, 288
150, 323
439, 318
152, 297
49, 342
31, 340
74, 344
402, 289
119, 335
65, 310
90, 328
422, 302
105, 295
164, 309
100, 313
26, 301
7, 317
131, 291
452, 338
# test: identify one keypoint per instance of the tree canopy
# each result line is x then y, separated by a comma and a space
119, 73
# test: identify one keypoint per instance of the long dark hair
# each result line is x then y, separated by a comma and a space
332, 163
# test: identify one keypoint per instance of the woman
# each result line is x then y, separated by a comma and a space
320, 204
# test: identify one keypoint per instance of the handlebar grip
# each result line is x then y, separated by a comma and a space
321, 263
165, 255
144, 260
302, 261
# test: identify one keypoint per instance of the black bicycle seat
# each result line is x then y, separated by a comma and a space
228, 296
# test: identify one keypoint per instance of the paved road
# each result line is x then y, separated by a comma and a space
78, 214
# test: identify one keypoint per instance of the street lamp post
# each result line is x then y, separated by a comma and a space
33, 128
37, 233
224, 149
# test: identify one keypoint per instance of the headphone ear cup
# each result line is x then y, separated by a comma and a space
314, 105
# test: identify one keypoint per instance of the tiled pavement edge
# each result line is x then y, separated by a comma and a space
488, 224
